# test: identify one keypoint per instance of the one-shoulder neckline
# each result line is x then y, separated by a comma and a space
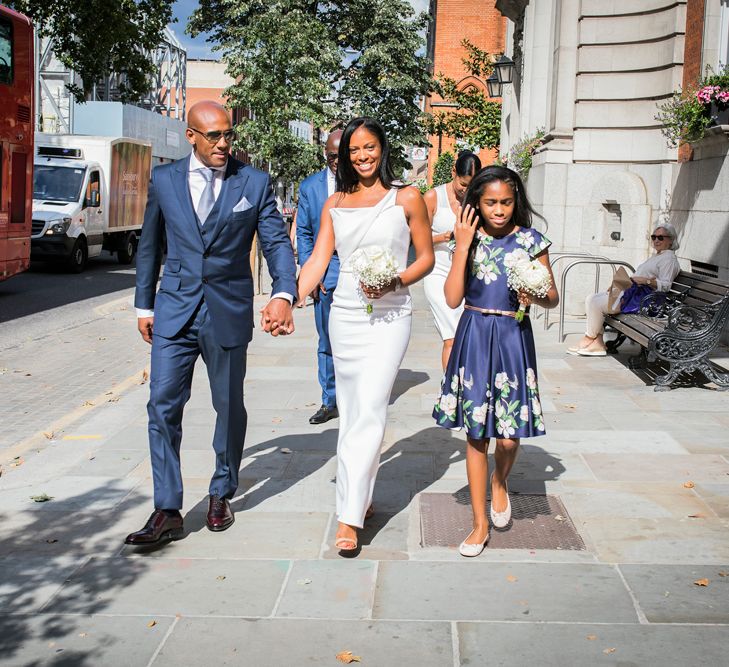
364, 208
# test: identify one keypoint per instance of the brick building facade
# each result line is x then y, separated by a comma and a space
452, 22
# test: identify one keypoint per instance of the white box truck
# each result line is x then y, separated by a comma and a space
89, 195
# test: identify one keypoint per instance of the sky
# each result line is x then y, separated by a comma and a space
198, 48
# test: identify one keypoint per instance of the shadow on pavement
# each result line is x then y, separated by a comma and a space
271, 469
406, 380
408, 467
45, 565
48, 286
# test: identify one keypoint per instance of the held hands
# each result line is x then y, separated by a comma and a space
277, 317
465, 228
146, 326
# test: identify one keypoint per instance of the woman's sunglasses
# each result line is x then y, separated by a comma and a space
659, 237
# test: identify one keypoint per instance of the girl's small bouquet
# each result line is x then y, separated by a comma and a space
526, 275
374, 266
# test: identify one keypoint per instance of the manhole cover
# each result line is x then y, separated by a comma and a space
539, 522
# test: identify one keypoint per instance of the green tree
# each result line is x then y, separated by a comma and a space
443, 170
475, 118
317, 62
97, 37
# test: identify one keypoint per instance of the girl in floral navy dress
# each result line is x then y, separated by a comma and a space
490, 384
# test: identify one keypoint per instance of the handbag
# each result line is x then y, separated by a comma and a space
621, 283
630, 303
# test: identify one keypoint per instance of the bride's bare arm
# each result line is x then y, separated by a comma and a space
315, 267
420, 233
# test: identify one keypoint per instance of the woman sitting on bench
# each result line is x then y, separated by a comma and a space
658, 272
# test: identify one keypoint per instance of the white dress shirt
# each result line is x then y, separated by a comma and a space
331, 182
197, 182
664, 267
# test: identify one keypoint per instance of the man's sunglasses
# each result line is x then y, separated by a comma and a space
215, 136
332, 157
659, 237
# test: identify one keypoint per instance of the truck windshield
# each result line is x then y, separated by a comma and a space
57, 183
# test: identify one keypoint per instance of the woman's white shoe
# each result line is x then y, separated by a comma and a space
500, 519
471, 550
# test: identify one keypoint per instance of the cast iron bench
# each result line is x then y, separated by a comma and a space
680, 327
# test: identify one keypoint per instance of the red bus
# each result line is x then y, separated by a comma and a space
16, 139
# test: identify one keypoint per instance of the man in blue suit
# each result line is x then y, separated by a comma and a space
313, 193
207, 207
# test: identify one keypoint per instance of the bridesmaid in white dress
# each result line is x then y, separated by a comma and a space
367, 209
443, 203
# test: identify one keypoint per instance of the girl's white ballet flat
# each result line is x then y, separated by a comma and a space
471, 550
500, 519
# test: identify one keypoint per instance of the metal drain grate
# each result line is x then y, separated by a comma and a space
446, 520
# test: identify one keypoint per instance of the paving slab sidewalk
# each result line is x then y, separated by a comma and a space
644, 477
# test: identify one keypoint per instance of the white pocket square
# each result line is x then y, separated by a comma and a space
242, 205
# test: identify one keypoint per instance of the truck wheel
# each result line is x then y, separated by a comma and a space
126, 253
79, 256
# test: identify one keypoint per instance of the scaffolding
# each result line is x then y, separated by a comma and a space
166, 95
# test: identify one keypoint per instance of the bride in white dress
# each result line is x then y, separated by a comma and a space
368, 209
443, 203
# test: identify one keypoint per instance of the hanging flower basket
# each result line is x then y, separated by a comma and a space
689, 113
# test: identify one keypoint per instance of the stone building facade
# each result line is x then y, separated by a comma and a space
591, 74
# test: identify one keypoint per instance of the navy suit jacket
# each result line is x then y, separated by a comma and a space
313, 194
212, 260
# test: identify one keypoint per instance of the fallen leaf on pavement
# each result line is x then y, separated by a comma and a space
723, 574
608, 651
17, 461
220, 577
151, 624
285, 450
303, 582
697, 516
276, 420
570, 406
88, 403
559, 517
145, 377
49, 435
346, 657
511, 578
41, 498
592, 638
114, 399
701, 582
82, 634
52, 540
688, 485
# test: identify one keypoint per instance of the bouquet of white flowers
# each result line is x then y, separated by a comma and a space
526, 275
374, 266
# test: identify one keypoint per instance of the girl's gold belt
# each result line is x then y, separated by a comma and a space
492, 311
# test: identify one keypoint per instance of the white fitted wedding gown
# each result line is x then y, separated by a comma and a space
446, 318
368, 349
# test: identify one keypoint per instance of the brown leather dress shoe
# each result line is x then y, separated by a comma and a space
220, 516
161, 526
